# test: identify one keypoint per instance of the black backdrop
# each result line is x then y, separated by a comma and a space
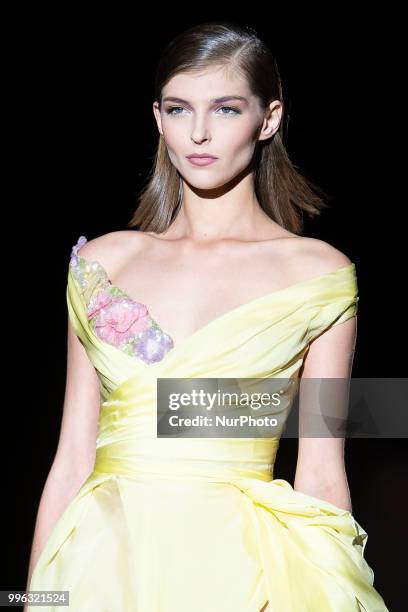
83, 139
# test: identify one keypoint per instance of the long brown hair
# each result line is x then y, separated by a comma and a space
282, 192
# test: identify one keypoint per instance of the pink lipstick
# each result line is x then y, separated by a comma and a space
201, 159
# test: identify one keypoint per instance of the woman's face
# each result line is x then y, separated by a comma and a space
194, 119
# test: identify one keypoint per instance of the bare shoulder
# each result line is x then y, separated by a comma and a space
113, 248
313, 257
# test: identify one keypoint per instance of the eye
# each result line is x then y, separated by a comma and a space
170, 110
235, 111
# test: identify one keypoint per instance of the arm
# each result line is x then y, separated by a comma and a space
75, 455
320, 470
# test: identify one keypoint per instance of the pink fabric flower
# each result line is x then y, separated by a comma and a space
120, 319
101, 300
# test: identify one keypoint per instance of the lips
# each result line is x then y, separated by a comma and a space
201, 160
201, 156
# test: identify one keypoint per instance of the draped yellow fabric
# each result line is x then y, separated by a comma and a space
196, 524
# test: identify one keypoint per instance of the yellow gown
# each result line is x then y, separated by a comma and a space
201, 524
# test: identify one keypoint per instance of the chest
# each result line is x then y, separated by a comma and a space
185, 292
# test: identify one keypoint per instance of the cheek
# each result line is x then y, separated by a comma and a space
175, 141
239, 141
173, 134
239, 149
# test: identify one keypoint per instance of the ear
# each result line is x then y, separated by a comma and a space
271, 120
157, 115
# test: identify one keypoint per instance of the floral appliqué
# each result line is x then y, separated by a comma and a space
114, 316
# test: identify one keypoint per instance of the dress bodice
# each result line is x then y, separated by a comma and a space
267, 336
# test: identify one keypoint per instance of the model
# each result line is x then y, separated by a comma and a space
212, 279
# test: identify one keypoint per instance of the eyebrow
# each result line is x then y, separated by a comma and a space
213, 100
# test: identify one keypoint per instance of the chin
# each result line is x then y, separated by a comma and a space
206, 183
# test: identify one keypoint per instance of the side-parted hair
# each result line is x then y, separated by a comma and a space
282, 192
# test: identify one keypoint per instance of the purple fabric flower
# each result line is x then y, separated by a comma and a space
153, 344
74, 251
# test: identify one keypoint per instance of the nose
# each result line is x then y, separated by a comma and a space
200, 131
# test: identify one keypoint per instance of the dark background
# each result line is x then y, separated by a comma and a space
83, 137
